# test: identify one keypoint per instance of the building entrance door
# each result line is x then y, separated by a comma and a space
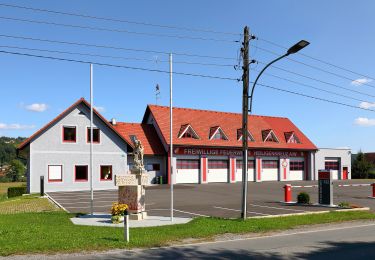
345, 173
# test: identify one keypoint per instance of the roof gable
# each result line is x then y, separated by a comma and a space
217, 133
269, 136
187, 131
62, 115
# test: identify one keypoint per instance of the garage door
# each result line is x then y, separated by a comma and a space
250, 170
334, 165
218, 171
187, 171
270, 170
296, 170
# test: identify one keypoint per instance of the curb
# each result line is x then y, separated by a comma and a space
308, 213
55, 202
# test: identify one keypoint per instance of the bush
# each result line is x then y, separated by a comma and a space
5, 179
16, 191
344, 204
371, 174
303, 198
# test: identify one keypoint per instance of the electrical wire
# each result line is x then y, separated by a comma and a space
117, 66
113, 57
117, 20
116, 30
316, 98
319, 60
321, 81
114, 47
313, 87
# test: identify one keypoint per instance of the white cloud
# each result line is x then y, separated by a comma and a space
366, 105
359, 82
363, 121
15, 126
99, 109
37, 107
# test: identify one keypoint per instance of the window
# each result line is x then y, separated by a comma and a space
69, 134
216, 133
95, 133
153, 167
291, 138
187, 131
270, 164
81, 172
331, 165
55, 173
239, 135
218, 164
106, 172
297, 165
187, 164
250, 164
269, 136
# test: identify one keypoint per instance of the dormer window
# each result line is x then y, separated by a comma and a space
249, 136
216, 133
187, 131
269, 136
291, 138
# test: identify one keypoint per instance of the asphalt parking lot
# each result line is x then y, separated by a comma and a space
218, 199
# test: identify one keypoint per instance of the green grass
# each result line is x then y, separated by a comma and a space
52, 232
27, 203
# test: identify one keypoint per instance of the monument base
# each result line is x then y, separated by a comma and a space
138, 216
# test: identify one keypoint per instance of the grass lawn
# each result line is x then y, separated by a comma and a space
52, 232
5, 185
28, 203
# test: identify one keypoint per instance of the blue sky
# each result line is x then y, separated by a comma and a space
34, 90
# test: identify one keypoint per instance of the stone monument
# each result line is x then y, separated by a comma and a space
132, 186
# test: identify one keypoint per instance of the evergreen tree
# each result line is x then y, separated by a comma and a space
361, 167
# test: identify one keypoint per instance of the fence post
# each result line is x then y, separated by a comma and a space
288, 193
41, 186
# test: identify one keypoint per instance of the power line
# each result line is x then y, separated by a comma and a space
319, 60
313, 97
320, 81
115, 47
313, 87
316, 68
117, 30
118, 20
118, 66
114, 57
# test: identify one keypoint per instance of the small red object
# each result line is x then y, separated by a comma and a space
373, 190
288, 193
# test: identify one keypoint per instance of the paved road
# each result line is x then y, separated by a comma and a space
354, 240
216, 199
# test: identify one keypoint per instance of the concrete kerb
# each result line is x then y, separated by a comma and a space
309, 213
55, 202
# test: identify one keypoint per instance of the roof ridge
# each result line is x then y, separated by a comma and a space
214, 111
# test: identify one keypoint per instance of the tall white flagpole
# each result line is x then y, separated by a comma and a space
91, 140
171, 131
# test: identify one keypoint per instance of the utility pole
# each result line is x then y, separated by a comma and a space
91, 141
245, 109
171, 129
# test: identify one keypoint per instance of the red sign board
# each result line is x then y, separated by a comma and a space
234, 152
324, 175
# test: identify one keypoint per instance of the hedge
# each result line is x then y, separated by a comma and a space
16, 191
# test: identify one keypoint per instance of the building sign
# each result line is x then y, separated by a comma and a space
234, 152
325, 187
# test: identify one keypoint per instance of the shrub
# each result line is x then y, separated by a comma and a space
5, 179
16, 191
303, 198
344, 204
371, 174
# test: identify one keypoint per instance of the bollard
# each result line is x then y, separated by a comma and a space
288, 193
373, 190
126, 226
41, 186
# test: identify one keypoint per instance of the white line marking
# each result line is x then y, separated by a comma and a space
240, 210
270, 207
260, 237
194, 214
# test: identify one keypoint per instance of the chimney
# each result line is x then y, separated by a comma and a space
113, 121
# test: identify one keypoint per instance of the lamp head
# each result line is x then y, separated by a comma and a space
297, 47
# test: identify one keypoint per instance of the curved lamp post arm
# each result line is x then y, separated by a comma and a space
260, 73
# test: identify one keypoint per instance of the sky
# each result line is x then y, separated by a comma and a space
34, 90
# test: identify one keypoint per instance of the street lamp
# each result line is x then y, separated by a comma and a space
294, 49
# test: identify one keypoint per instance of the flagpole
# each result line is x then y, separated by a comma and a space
171, 131
91, 141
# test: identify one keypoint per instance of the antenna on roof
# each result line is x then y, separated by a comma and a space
157, 93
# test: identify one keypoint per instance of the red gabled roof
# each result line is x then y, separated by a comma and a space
203, 120
79, 101
145, 133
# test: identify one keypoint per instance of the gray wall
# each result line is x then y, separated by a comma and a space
344, 156
49, 149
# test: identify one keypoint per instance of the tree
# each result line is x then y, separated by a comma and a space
16, 171
361, 167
